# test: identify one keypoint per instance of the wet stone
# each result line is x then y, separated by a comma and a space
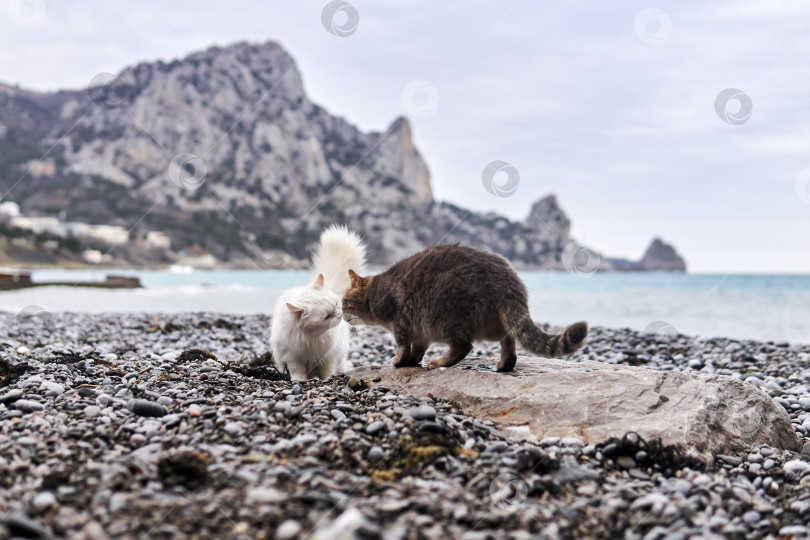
143, 407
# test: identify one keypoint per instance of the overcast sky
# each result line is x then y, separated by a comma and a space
610, 105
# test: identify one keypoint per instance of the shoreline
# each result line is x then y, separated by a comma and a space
235, 452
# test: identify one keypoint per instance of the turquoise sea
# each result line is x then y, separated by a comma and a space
762, 307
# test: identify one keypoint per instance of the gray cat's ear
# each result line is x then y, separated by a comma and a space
297, 311
354, 277
318, 282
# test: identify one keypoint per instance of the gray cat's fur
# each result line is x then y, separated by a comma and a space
456, 295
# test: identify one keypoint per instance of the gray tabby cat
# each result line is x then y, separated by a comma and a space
456, 295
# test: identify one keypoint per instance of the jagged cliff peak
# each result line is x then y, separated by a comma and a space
549, 219
661, 256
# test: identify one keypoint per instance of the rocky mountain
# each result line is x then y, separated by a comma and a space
224, 151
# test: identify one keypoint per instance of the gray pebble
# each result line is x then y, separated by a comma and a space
609, 450
28, 406
793, 531
625, 462
423, 412
118, 501
375, 454
731, 460
137, 439
164, 400
375, 427
11, 396
27, 528
91, 411
144, 407
52, 389
572, 441
752, 516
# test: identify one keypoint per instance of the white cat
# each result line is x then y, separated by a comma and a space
309, 336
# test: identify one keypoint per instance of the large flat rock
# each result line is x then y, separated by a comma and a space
703, 414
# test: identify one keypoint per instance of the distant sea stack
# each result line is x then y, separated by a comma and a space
263, 170
661, 257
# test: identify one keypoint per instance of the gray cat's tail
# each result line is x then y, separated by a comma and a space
541, 343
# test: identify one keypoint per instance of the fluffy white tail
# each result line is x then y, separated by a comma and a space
339, 251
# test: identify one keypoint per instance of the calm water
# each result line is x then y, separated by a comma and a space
741, 306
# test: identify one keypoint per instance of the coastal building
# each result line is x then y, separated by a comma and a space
197, 257
92, 256
108, 234
157, 240
9, 210
37, 225
75, 229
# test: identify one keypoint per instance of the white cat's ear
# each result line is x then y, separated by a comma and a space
297, 311
318, 282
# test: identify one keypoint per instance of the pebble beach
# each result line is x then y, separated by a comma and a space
173, 426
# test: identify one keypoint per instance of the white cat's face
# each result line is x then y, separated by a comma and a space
317, 309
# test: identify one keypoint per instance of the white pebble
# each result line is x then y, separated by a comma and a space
118, 501
572, 441
43, 500
797, 467
288, 530
264, 495
91, 411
